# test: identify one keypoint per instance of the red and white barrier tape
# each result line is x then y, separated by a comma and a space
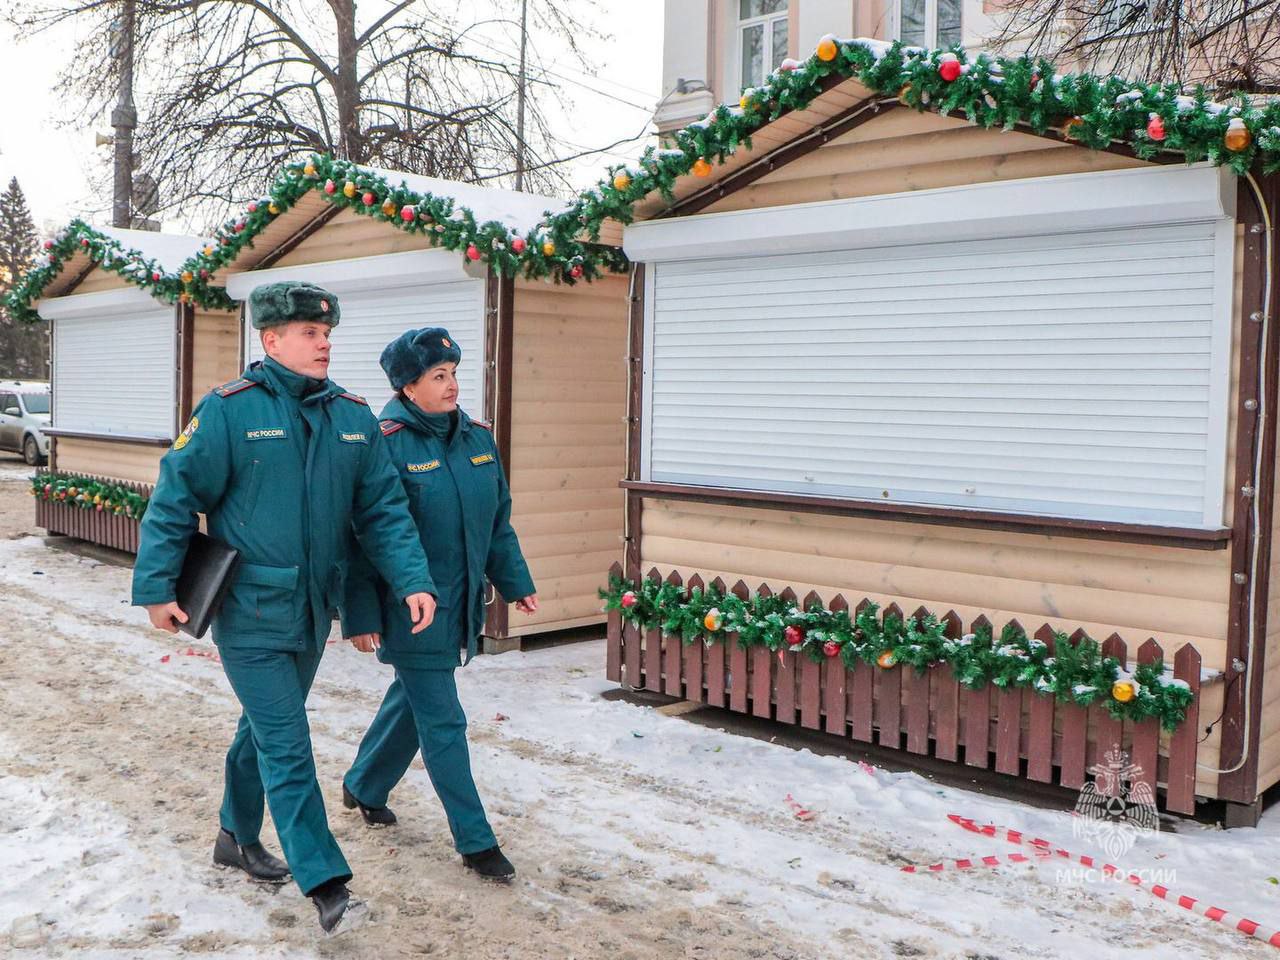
1045, 850
192, 652
798, 810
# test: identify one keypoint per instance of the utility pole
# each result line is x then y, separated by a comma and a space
524, 39
124, 118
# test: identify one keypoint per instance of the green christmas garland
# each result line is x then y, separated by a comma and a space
1076, 672
110, 255
89, 494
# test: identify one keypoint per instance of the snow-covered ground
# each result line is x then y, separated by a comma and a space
636, 834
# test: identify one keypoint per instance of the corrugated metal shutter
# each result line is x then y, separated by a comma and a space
1079, 375
115, 373
373, 318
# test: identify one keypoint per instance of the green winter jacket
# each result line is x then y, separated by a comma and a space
460, 501
284, 468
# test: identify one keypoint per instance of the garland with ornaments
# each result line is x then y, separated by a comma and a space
89, 494
553, 249
1075, 672
110, 255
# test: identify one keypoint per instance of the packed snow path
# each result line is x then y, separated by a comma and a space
636, 835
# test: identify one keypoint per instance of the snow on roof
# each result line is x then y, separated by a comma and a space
514, 210
169, 250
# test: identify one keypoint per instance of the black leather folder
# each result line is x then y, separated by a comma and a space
206, 576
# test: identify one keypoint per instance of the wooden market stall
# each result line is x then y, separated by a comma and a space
129, 357
542, 362
1007, 379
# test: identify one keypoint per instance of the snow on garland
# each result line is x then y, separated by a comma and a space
88, 494
1075, 672
553, 249
109, 254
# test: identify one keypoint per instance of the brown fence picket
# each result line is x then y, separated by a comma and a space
810, 678
977, 716
1075, 733
1009, 725
835, 704
889, 696
915, 687
1146, 733
1040, 723
690, 652
1108, 732
613, 632
673, 672
785, 678
653, 646
1180, 795
860, 687
713, 657
762, 672
946, 733
739, 679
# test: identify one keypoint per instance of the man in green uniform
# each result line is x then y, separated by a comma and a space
284, 464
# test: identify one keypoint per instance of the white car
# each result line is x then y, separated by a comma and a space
24, 413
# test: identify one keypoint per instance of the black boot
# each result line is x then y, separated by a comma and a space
252, 858
490, 864
338, 912
373, 816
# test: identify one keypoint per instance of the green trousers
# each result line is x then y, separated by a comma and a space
271, 755
421, 712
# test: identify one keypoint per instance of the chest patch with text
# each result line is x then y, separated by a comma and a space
265, 433
353, 437
482, 459
422, 467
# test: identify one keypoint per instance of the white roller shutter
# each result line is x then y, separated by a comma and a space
114, 365
371, 319
1075, 374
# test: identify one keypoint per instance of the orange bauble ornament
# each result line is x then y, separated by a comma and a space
1124, 690
701, 168
885, 660
1237, 137
621, 181
827, 49
713, 621
548, 249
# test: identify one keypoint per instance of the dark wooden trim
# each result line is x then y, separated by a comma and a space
499, 321
1242, 785
186, 355
491, 291
80, 278
841, 124
633, 504
109, 437
295, 239
1188, 537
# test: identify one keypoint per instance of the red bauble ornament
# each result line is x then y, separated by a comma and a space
628, 601
369, 199
84, 241
204, 274
794, 636
949, 69
576, 271
253, 208
831, 648
48, 244
408, 214
1155, 127
1035, 80
330, 187
473, 252
517, 245
155, 276
48, 487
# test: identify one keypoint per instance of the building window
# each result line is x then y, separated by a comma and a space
762, 28
929, 23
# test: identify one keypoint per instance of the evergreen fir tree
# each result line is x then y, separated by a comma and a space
23, 347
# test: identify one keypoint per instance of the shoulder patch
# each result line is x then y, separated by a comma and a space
390, 426
354, 399
483, 425
235, 386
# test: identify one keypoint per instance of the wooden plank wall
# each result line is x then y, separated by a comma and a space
99, 280
568, 443
216, 356
118, 461
349, 235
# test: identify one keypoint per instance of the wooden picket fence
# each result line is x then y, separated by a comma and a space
96, 526
1012, 731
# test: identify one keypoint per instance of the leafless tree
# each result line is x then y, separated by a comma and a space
1228, 45
229, 90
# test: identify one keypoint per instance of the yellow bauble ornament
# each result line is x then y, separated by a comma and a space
1237, 137
621, 181
388, 208
97, 498
1069, 128
273, 209
885, 660
1124, 690
903, 91
713, 621
208, 251
310, 169
348, 189
187, 276
701, 168
548, 249
827, 49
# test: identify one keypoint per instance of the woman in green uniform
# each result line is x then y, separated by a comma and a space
459, 499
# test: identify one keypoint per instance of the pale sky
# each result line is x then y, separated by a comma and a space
52, 164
